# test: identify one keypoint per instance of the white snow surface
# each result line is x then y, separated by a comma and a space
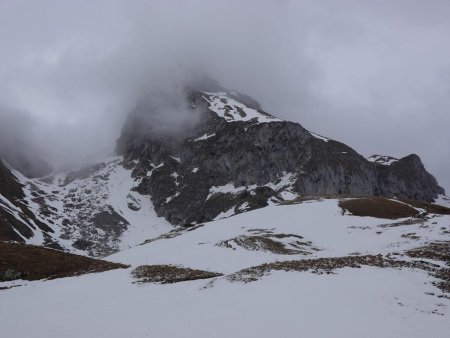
232, 111
352, 303
365, 302
204, 137
144, 222
443, 200
283, 185
228, 188
319, 137
382, 159
320, 222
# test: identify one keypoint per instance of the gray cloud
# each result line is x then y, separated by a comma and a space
373, 74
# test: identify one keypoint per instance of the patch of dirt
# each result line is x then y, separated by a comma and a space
174, 233
270, 242
29, 262
409, 221
377, 207
411, 235
167, 274
439, 251
324, 265
444, 279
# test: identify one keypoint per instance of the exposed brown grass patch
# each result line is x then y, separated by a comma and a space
327, 265
444, 279
174, 233
439, 251
167, 274
20, 261
323, 264
409, 221
429, 207
377, 207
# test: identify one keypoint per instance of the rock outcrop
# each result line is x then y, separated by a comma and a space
238, 157
17, 221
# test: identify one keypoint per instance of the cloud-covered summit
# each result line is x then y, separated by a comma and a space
372, 74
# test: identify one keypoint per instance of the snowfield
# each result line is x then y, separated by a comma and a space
319, 222
353, 303
349, 302
233, 111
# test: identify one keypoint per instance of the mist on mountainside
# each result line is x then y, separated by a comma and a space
373, 75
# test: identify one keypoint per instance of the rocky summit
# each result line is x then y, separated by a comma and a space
226, 156
239, 157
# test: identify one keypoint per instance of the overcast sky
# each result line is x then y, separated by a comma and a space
372, 74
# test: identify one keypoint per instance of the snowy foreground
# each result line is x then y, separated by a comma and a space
350, 302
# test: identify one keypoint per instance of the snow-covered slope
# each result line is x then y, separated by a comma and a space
368, 302
92, 211
357, 300
315, 228
228, 108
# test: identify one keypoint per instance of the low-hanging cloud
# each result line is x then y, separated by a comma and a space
372, 74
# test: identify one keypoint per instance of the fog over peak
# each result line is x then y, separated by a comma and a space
372, 74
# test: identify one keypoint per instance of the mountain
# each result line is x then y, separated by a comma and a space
225, 221
239, 157
228, 156
91, 211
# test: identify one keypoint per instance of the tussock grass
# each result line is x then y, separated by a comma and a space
429, 207
21, 261
329, 264
167, 274
439, 251
378, 207
270, 243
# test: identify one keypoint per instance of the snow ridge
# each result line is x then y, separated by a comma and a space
382, 159
234, 111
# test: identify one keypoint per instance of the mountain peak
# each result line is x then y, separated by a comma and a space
235, 143
223, 155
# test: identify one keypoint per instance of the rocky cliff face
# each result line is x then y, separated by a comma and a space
17, 220
239, 157
94, 210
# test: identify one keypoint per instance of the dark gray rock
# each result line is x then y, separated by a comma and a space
82, 244
12, 227
245, 154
